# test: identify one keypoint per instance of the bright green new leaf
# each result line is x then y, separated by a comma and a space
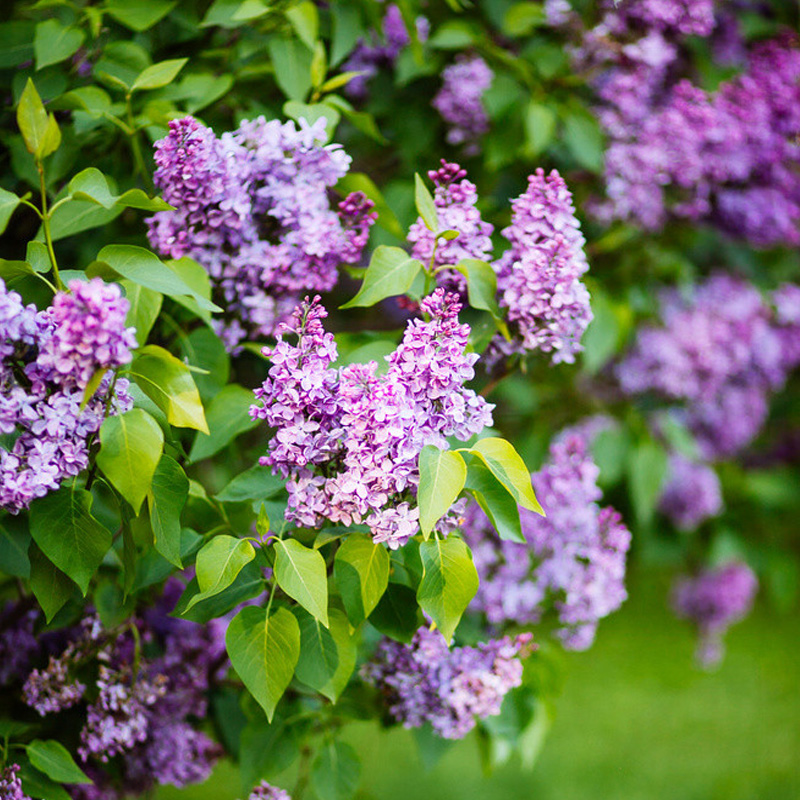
67, 533
495, 500
218, 564
144, 305
304, 18
130, 449
449, 582
319, 655
506, 464
300, 572
32, 119
92, 185
8, 204
336, 771
227, 417
50, 586
426, 208
441, 477
337, 81
319, 65
140, 14
168, 382
157, 75
168, 495
361, 572
256, 483
54, 42
52, 758
346, 650
391, 272
264, 652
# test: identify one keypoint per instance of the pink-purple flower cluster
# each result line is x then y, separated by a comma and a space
720, 350
574, 559
47, 359
253, 207
714, 600
460, 101
348, 440
265, 791
10, 784
450, 689
692, 493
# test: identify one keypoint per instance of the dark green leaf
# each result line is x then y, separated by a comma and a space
397, 614
540, 125
54, 760
55, 42
300, 572
14, 542
266, 750
495, 501
256, 483
361, 571
8, 204
141, 14
248, 584
319, 656
168, 495
584, 138
336, 771
391, 272
228, 416
51, 587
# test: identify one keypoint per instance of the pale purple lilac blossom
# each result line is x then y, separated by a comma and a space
265, 791
451, 689
714, 600
692, 493
348, 440
574, 558
11, 785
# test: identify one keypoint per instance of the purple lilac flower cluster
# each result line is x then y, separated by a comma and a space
730, 156
47, 359
265, 791
425, 682
459, 101
253, 208
140, 709
574, 558
10, 784
348, 440
539, 276
692, 493
720, 349
455, 198
714, 600
371, 55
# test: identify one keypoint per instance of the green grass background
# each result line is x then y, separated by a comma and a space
635, 721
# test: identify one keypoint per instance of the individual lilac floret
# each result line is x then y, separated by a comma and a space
455, 198
538, 277
459, 101
348, 440
265, 791
253, 207
574, 559
11, 785
692, 493
89, 332
717, 350
714, 600
424, 682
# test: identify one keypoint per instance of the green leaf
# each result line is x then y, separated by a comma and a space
157, 75
51, 587
319, 655
168, 382
249, 583
15, 540
55, 42
92, 185
507, 466
267, 749
361, 571
495, 501
264, 652
36, 784
196, 277
8, 204
12, 272
292, 62
145, 305
304, 18
37, 256
204, 349
300, 572
168, 496
584, 138
337, 81
256, 483
540, 125
79, 216
522, 18
319, 65
145, 268
67, 533
141, 14
250, 10
647, 470
218, 564
17, 39
32, 119
426, 208
449, 582
130, 449
442, 474
228, 416
347, 652
54, 760
347, 28
336, 771
481, 285
397, 614
391, 272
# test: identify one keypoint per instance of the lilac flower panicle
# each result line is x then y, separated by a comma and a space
574, 558
460, 103
692, 493
11, 785
538, 277
265, 791
348, 440
424, 682
714, 600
